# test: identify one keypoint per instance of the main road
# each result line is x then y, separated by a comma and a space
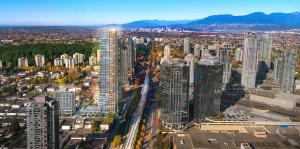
136, 119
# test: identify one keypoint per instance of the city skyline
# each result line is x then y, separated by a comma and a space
115, 12
168, 74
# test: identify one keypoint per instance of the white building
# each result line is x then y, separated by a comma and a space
264, 49
248, 79
64, 56
187, 45
1, 64
167, 51
224, 55
39, 60
58, 62
69, 62
167, 54
190, 59
92, 61
289, 61
98, 55
278, 68
23, 62
198, 51
238, 54
78, 58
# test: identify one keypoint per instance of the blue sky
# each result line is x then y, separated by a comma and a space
91, 12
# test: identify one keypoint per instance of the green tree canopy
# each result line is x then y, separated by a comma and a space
96, 126
9, 54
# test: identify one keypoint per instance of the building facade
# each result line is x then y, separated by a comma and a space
198, 51
129, 44
69, 62
58, 62
187, 45
289, 62
278, 68
167, 51
207, 88
224, 55
43, 123
98, 55
248, 79
66, 100
78, 58
92, 61
108, 86
23, 62
264, 50
190, 60
174, 93
238, 55
39, 60
126, 60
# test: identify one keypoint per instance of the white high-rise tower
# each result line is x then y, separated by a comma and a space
108, 97
249, 60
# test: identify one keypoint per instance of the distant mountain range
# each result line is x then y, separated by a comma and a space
154, 23
255, 21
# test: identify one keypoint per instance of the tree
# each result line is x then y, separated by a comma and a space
149, 137
96, 126
143, 127
159, 143
11, 53
117, 141
177, 53
141, 50
110, 117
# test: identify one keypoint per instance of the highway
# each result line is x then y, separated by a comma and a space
136, 119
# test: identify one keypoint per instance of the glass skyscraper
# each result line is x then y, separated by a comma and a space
288, 70
248, 79
174, 93
278, 68
126, 49
264, 50
207, 88
187, 45
224, 55
108, 86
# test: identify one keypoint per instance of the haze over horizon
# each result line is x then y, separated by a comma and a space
93, 12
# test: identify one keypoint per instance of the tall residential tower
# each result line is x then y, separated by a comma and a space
108, 96
39, 60
43, 123
264, 50
249, 61
288, 70
174, 93
224, 55
187, 45
208, 86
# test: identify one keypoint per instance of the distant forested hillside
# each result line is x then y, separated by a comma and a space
9, 54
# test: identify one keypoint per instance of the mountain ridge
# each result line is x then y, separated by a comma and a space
273, 20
